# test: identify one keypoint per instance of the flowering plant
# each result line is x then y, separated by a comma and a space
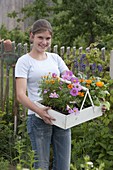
67, 93
98, 90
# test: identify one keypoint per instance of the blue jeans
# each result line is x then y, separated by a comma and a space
42, 136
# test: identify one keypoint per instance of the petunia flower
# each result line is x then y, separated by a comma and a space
54, 95
78, 86
74, 91
73, 111
74, 80
70, 111
67, 75
54, 75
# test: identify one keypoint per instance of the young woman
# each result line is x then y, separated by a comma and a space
28, 72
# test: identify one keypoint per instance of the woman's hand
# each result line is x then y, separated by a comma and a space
43, 113
21, 84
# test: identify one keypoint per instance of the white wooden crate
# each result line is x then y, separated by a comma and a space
67, 121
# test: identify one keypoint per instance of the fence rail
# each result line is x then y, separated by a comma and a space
9, 53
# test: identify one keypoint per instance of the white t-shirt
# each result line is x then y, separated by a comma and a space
32, 69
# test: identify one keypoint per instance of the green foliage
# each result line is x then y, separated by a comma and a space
21, 154
6, 137
87, 165
79, 18
18, 36
95, 139
4, 33
40, 9
14, 35
4, 164
82, 22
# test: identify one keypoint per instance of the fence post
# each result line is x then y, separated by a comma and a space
1, 74
111, 64
88, 49
103, 53
80, 50
68, 52
19, 49
25, 48
62, 50
74, 51
55, 49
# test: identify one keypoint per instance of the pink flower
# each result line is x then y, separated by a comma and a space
45, 91
74, 111
74, 91
78, 86
67, 107
54, 95
74, 80
67, 75
54, 75
70, 111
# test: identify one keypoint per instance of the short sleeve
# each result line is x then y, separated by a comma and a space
61, 64
21, 68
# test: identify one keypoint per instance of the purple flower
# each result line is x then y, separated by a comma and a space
93, 66
54, 75
78, 86
75, 110
69, 109
45, 91
67, 75
76, 64
82, 66
72, 111
74, 80
82, 57
54, 95
74, 91
99, 67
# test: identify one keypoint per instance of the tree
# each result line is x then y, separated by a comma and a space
37, 9
87, 18
32, 11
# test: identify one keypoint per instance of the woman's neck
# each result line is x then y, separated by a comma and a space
38, 55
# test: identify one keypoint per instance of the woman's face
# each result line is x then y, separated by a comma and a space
41, 41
